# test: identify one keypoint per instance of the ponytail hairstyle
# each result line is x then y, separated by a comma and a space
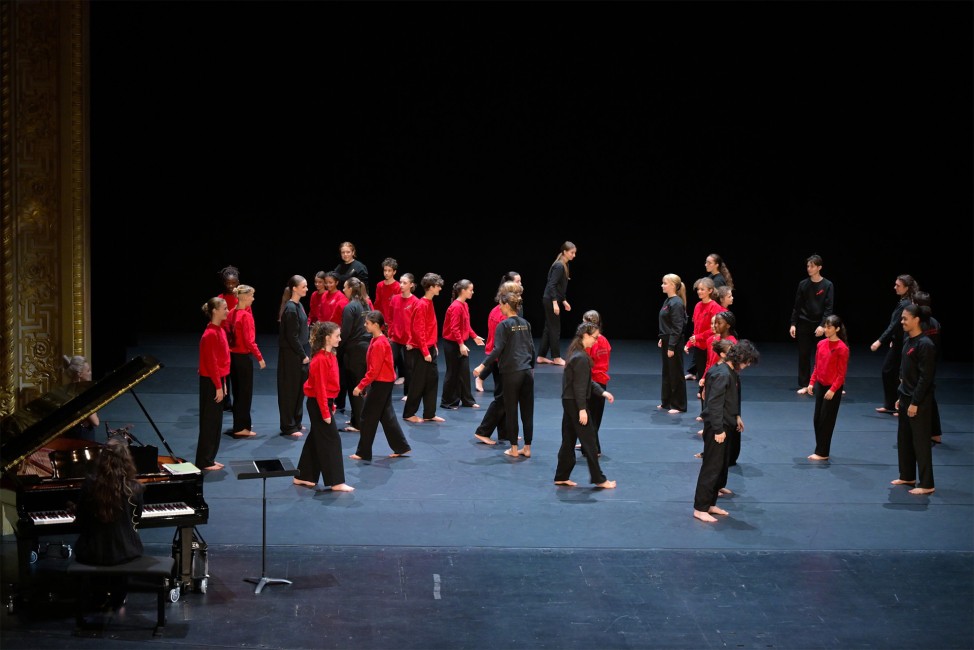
242, 289
722, 269
359, 291
836, 322
911, 285
729, 319
565, 247
459, 286
288, 290
375, 316
212, 305
592, 316
681, 290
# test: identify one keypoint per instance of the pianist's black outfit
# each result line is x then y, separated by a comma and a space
108, 543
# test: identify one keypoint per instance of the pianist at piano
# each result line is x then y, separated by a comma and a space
108, 510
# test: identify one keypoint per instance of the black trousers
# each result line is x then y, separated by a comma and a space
596, 408
211, 424
551, 336
913, 443
826, 414
402, 364
378, 409
322, 451
713, 470
673, 394
456, 379
891, 374
356, 365
494, 416
291, 375
518, 395
242, 385
423, 385
805, 335
572, 430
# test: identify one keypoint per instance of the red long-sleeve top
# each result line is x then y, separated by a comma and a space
712, 356
599, 352
831, 363
422, 335
384, 293
401, 317
315, 306
322, 382
378, 362
493, 320
331, 306
214, 354
703, 313
456, 322
244, 333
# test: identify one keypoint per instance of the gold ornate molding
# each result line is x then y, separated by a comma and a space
44, 227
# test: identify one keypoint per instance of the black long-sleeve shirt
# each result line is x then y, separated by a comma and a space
672, 319
722, 402
513, 346
918, 368
894, 331
353, 269
814, 301
556, 286
108, 543
576, 382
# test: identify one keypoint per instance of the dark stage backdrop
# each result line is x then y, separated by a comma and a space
471, 139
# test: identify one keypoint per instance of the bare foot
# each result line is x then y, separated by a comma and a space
922, 491
526, 451
703, 516
512, 452
355, 457
543, 360
936, 439
218, 464
244, 433
659, 406
802, 391
213, 468
485, 439
298, 481
698, 419
479, 384
401, 454
414, 418
349, 429
557, 361
817, 457
474, 406
723, 492
399, 381
674, 411
296, 434
902, 482
698, 455
342, 487
568, 483
714, 510
608, 485
435, 418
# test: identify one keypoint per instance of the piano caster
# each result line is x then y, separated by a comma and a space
174, 594
201, 585
33, 557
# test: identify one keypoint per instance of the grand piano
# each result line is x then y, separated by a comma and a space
37, 464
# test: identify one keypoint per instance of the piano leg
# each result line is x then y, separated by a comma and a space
182, 548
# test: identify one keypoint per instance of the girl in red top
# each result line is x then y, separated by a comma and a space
213, 370
400, 320
703, 311
828, 377
493, 320
322, 452
387, 288
231, 279
379, 378
599, 353
316, 297
244, 344
456, 354
333, 301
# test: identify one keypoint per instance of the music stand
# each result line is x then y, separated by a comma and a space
264, 469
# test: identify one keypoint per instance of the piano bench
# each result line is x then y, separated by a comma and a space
155, 570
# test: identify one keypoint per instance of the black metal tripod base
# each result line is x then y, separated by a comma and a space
260, 582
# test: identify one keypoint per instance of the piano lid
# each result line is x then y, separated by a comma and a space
56, 412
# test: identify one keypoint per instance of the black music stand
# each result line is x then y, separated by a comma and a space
264, 469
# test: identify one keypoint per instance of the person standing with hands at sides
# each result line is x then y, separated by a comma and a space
721, 415
717, 271
423, 336
378, 379
456, 354
672, 318
387, 288
294, 355
599, 352
828, 378
351, 267
243, 344
494, 416
330, 309
316, 297
493, 318
577, 391
555, 290
230, 276
108, 509
322, 451
915, 403
931, 327
722, 329
514, 355
213, 370
703, 312
355, 341
724, 296
814, 301
401, 309
892, 337
78, 370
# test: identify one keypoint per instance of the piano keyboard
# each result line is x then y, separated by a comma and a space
149, 511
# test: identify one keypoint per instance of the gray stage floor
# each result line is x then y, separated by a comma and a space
458, 546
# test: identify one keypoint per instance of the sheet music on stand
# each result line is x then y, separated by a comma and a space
264, 469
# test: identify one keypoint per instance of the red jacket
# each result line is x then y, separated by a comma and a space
384, 293
214, 354
494, 319
456, 322
831, 363
379, 363
331, 306
244, 333
401, 317
599, 352
703, 313
422, 334
322, 382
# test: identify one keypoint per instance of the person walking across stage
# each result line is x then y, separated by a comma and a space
494, 417
722, 407
493, 318
577, 389
828, 378
355, 342
456, 354
243, 346
294, 355
814, 300
915, 403
380, 377
599, 353
555, 290
214, 366
905, 287
322, 451
514, 355
672, 318
423, 338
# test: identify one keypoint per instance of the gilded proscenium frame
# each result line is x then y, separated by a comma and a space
45, 266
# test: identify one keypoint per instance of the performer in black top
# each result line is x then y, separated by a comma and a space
350, 267
555, 290
672, 318
905, 287
814, 300
294, 355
